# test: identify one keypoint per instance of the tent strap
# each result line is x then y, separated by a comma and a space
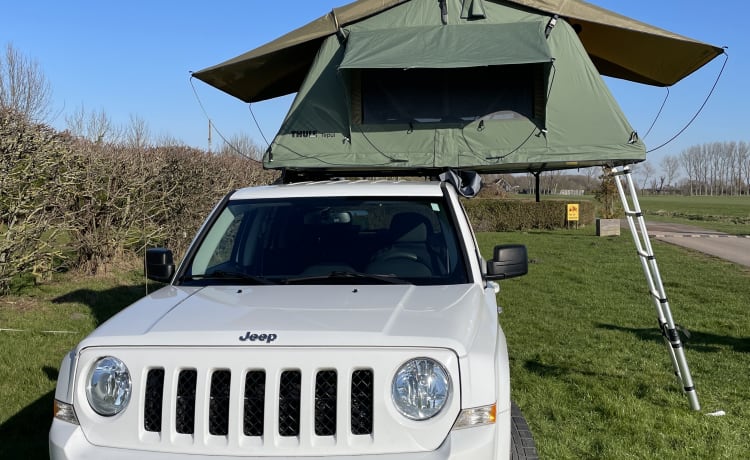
339, 32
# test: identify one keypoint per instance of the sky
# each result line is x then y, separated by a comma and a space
134, 58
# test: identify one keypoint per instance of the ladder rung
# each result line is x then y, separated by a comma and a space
646, 255
662, 300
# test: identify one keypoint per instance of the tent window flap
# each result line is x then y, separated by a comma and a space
448, 74
452, 46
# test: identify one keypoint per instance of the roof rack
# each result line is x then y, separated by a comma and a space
291, 175
467, 182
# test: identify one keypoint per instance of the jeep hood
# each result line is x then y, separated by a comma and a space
289, 316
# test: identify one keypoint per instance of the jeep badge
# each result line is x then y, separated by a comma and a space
249, 336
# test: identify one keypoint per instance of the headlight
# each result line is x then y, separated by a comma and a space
108, 388
420, 388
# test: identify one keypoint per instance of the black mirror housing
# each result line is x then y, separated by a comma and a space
508, 261
159, 264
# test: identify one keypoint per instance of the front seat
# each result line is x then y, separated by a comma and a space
408, 254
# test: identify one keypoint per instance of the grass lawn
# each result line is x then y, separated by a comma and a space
730, 214
589, 368
67, 310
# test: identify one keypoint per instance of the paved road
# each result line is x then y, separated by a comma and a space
728, 247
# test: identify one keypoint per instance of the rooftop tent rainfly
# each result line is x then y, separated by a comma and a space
403, 91
396, 86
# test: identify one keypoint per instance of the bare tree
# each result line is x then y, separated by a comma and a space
719, 168
550, 182
137, 133
644, 171
692, 163
737, 156
167, 140
591, 174
23, 87
657, 185
96, 126
242, 144
76, 122
743, 153
670, 165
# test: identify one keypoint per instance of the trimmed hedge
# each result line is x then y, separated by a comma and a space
498, 215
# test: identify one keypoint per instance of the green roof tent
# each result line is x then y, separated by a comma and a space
397, 86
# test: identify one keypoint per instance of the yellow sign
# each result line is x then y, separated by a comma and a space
573, 212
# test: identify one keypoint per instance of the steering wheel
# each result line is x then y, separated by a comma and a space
401, 255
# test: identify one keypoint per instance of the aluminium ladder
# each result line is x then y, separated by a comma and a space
656, 288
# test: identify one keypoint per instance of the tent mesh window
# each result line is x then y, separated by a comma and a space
449, 96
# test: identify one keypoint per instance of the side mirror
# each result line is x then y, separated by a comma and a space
159, 264
508, 261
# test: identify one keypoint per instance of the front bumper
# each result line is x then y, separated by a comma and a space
66, 441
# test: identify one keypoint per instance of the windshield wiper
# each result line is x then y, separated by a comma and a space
347, 275
226, 275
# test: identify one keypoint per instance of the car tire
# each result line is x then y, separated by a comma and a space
522, 445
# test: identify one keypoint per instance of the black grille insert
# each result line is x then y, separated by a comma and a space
325, 403
289, 403
153, 403
255, 396
324, 411
218, 408
362, 402
185, 419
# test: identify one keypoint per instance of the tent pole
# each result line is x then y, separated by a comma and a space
537, 176
655, 285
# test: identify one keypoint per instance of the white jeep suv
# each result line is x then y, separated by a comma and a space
346, 319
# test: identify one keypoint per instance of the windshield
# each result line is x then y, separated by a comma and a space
329, 240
